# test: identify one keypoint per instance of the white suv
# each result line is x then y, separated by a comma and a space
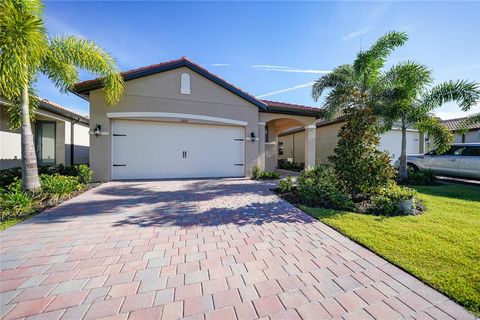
461, 160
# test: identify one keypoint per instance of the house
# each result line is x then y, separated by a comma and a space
178, 120
290, 142
462, 132
60, 135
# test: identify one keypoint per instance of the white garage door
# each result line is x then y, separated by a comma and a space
149, 150
391, 142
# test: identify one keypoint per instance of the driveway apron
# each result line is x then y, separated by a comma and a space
198, 249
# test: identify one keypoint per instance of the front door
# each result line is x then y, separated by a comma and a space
45, 142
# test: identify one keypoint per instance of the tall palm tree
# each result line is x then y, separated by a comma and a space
26, 50
405, 96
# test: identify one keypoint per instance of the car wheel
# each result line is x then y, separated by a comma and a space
411, 168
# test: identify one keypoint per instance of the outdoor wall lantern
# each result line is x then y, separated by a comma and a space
252, 135
98, 129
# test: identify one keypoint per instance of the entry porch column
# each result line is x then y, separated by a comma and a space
310, 136
261, 145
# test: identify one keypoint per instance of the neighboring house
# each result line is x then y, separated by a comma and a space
178, 120
462, 132
290, 142
54, 130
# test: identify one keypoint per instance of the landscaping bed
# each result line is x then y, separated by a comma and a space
439, 246
58, 185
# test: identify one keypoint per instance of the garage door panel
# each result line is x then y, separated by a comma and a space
156, 150
391, 142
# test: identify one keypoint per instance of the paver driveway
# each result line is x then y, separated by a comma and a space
204, 249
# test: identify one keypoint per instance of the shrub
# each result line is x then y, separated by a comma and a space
256, 171
84, 174
387, 201
82, 171
286, 185
422, 178
8, 176
293, 166
57, 186
269, 175
360, 167
14, 202
319, 187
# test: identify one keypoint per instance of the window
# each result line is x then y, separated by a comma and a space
471, 151
185, 83
453, 151
280, 148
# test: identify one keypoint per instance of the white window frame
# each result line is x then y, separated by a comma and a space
185, 83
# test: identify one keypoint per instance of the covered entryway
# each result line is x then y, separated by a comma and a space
154, 149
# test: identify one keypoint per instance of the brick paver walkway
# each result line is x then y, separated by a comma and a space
205, 249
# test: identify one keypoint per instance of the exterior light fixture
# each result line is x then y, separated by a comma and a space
98, 129
252, 135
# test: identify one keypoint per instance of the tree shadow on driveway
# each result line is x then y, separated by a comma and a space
176, 203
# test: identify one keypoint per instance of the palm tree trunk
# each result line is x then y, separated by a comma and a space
403, 154
30, 180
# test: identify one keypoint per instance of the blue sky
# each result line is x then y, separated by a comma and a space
273, 50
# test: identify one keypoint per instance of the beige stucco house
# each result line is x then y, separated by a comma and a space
178, 120
61, 136
463, 132
290, 142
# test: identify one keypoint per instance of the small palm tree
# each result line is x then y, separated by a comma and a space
26, 50
359, 165
405, 96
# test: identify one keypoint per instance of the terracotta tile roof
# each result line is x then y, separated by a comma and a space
459, 124
290, 106
63, 110
51, 106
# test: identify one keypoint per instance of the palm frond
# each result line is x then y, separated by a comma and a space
465, 93
22, 44
62, 73
437, 131
367, 65
85, 54
409, 76
341, 76
337, 100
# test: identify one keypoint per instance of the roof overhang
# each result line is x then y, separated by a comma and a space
55, 109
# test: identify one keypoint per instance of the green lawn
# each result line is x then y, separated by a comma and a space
440, 247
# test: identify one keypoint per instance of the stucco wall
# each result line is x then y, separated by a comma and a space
326, 141
470, 137
161, 93
10, 143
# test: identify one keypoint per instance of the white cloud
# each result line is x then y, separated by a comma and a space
219, 65
304, 85
446, 113
357, 33
268, 67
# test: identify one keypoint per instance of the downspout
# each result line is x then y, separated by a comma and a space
293, 147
